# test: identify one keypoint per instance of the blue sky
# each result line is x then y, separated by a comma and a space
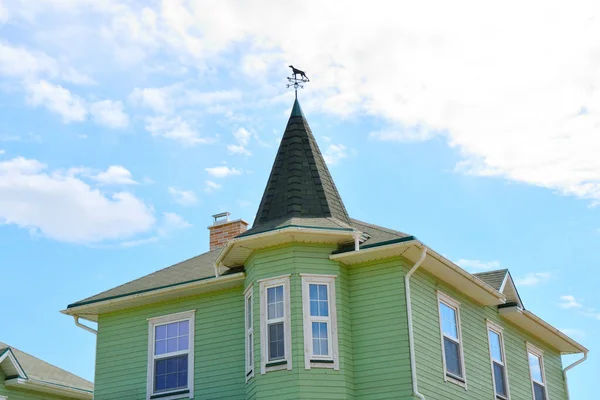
125, 125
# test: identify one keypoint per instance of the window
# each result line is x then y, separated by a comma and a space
536, 370
320, 321
498, 360
452, 352
171, 356
249, 334
275, 329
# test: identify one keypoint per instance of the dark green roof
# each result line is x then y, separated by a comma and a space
300, 185
37, 369
493, 278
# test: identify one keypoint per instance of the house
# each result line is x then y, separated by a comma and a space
24, 377
312, 304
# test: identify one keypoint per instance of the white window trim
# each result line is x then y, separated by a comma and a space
249, 331
537, 352
328, 280
3, 397
452, 303
152, 322
287, 324
491, 326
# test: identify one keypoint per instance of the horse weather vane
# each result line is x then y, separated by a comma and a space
297, 80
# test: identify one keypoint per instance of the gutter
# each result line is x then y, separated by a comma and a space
286, 229
576, 363
50, 387
84, 327
411, 340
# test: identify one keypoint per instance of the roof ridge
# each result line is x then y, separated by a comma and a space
491, 271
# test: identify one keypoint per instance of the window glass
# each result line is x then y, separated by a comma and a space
535, 366
539, 392
320, 339
276, 342
171, 373
171, 338
319, 305
495, 348
499, 379
452, 353
448, 315
249, 311
275, 302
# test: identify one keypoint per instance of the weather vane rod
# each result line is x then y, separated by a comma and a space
297, 80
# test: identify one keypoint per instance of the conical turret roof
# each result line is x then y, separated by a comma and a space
300, 190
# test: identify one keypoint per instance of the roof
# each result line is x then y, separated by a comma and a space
43, 371
493, 278
193, 269
300, 185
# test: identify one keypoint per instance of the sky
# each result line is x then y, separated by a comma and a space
124, 126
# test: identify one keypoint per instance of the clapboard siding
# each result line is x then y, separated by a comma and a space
122, 348
379, 331
300, 383
473, 317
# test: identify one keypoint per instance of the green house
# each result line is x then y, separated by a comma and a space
312, 304
25, 377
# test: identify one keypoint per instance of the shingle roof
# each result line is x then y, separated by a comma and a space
41, 370
300, 185
493, 278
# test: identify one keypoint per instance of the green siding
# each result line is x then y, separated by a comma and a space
300, 383
380, 331
122, 348
473, 317
17, 394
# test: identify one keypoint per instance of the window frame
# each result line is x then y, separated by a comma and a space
311, 360
491, 326
162, 320
531, 349
249, 332
454, 304
286, 362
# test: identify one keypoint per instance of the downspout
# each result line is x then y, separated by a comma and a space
568, 368
356, 236
87, 328
411, 340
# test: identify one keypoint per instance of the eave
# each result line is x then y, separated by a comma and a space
533, 324
435, 264
237, 250
91, 310
49, 387
10, 365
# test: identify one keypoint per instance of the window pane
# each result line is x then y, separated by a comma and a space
275, 302
170, 373
250, 354
160, 332
160, 347
172, 345
184, 328
535, 367
452, 353
320, 339
499, 379
183, 342
276, 342
495, 349
319, 307
172, 330
249, 311
448, 315
539, 392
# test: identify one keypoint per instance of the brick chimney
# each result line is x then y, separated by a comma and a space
223, 230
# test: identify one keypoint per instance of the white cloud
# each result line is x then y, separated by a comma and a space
223, 171
157, 99
183, 197
175, 128
237, 149
172, 222
402, 134
109, 113
115, 175
335, 153
478, 265
242, 138
2, 151
569, 301
58, 100
63, 207
210, 186
534, 278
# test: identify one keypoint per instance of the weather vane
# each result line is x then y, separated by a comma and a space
298, 79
